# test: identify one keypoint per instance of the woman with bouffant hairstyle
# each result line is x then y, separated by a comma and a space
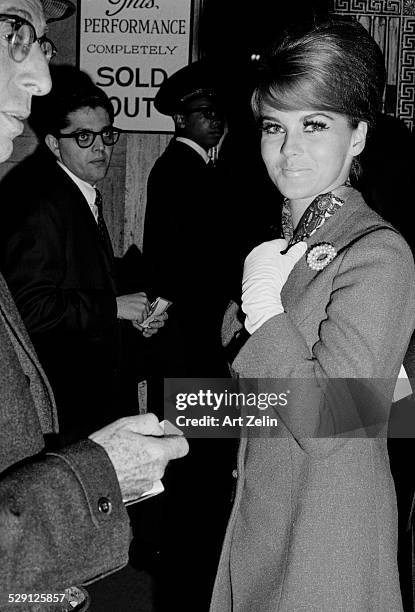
328, 309
335, 67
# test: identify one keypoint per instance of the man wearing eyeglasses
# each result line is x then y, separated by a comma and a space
62, 517
64, 278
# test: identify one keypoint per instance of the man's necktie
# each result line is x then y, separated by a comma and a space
104, 235
102, 228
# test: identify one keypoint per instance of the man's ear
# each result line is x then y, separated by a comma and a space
179, 121
52, 144
359, 138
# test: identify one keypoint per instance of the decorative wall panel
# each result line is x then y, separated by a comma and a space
392, 25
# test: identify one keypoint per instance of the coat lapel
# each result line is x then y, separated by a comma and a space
347, 225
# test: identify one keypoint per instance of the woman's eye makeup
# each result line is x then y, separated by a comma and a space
309, 125
268, 127
315, 125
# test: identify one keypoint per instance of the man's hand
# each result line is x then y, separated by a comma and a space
134, 307
154, 325
138, 451
265, 273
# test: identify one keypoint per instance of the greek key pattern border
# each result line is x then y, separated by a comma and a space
406, 97
370, 7
402, 11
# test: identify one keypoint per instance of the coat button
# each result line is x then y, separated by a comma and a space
104, 505
235, 473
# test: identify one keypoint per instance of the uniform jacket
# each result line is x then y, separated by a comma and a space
314, 523
184, 245
64, 285
184, 240
52, 532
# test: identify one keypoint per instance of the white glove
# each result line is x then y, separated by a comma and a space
265, 274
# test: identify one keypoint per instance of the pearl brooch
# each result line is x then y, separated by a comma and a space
320, 255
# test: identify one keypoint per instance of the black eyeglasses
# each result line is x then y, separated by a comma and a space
209, 113
21, 35
86, 138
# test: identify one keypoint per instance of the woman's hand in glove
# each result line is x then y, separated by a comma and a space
265, 273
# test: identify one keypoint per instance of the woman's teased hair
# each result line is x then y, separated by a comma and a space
331, 64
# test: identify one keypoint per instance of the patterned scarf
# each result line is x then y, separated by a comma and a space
321, 208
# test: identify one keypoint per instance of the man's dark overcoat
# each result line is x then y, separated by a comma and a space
63, 281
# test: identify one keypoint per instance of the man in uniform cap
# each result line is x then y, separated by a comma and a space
185, 250
192, 81
183, 220
62, 516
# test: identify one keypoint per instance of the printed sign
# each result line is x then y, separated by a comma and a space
129, 47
